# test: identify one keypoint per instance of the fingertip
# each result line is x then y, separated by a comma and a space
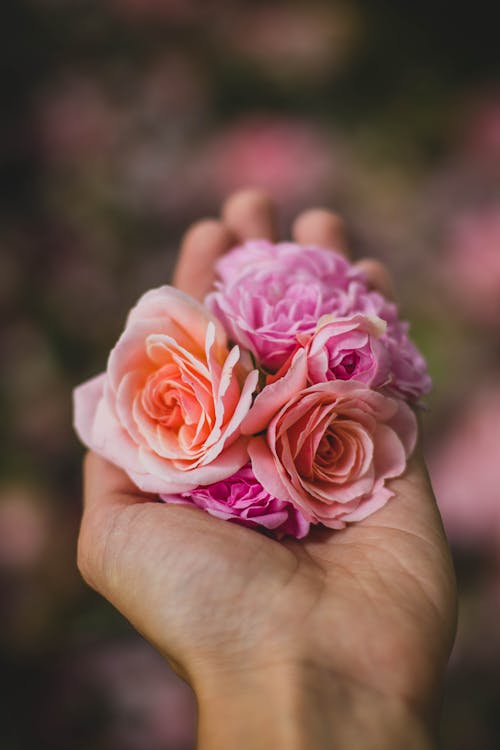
321, 227
202, 244
250, 213
378, 277
206, 231
105, 484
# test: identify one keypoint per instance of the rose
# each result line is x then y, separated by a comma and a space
339, 349
169, 407
270, 294
242, 499
261, 256
409, 378
331, 448
408, 375
347, 349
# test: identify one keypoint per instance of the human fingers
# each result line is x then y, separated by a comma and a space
107, 492
378, 276
202, 244
324, 228
320, 227
250, 214
414, 504
104, 484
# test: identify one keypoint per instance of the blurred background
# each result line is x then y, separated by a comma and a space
123, 121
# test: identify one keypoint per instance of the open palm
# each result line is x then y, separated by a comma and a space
374, 603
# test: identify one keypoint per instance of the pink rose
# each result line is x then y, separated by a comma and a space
242, 499
270, 297
339, 349
408, 376
270, 294
348, 349
330, 449
169, 407
300, 262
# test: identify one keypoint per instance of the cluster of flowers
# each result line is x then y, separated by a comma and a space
281, 402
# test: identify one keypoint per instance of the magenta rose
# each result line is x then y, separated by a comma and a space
348, 349
331, 448
269, 294
242, 499
169, 407
269, 297
339, 349
408, 375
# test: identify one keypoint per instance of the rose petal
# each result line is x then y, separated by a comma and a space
265, 469
86, 398
274, 396
168, 479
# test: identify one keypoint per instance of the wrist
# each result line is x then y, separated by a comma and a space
302, 707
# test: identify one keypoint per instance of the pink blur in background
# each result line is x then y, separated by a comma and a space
123, 122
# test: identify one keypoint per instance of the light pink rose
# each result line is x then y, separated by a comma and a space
270, 294
243, 500
331, 448
271, 297
169, 407
408, 374
347, 349
339, 349
301, 262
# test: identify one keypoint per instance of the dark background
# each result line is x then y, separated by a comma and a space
123, 121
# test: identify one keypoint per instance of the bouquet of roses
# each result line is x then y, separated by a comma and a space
283, 401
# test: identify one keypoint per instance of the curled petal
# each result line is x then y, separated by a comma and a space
275, 395
169, 408
331, 449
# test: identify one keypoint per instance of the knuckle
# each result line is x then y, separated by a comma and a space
314, 213
248, 195
319, 218
203, 228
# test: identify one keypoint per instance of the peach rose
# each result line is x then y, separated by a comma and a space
330, 449
169, 407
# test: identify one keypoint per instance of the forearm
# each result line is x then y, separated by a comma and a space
304, 708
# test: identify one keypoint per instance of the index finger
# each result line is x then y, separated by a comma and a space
105, 484
202, 244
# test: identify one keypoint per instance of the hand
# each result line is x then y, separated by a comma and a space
353, 626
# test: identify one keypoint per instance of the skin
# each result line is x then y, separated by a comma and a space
339, 640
